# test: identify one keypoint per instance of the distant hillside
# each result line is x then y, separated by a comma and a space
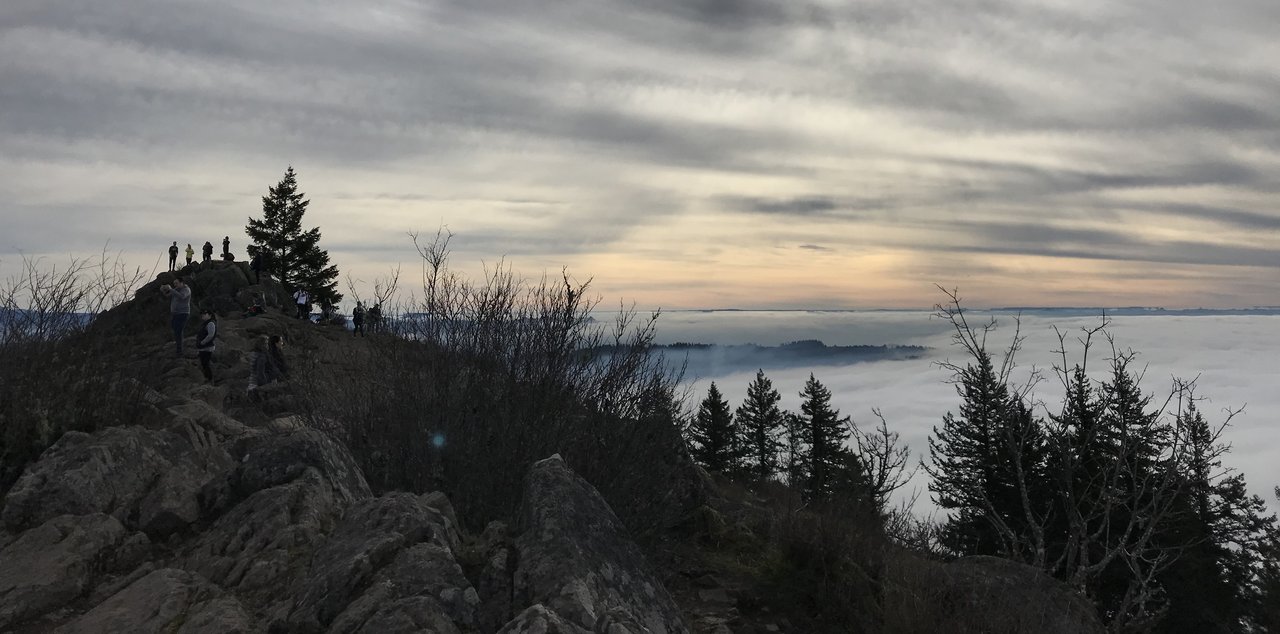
705, 360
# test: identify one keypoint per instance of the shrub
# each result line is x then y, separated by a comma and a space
57, 372
461, 390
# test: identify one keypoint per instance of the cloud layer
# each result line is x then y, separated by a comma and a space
1229, 356
699, 154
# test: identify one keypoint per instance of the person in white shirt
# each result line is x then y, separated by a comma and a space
303, 300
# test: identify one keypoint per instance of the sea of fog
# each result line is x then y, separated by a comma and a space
1234, 357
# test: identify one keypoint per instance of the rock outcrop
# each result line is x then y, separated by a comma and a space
164, 601
50, 566
149, 480
576, 559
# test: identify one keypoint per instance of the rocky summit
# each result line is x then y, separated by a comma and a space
229, 515
219, 513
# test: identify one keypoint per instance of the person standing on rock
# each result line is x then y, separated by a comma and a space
301, 297
204, 342
179, 308
255, 265
207, 251
191, 253
173, 256
357, 320
226, 247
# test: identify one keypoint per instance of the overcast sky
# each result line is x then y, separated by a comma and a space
683, 153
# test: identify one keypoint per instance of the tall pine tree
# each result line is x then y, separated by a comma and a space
714, 434
795, 449
981, 462
759, 424
1218, 581
829, 459
288, 252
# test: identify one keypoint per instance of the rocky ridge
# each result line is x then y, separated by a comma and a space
231, 516
221, 513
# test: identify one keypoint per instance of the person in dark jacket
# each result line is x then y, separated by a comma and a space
179, 308
205, 337
357, 320
375, 317
173, 256
207, 251
255, 265
226, 247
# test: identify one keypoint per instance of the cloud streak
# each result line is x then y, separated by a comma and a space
1018, 142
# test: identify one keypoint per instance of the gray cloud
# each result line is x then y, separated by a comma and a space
1230, 355
1021, 125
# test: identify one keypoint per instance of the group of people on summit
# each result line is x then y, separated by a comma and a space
206, 252
267, 363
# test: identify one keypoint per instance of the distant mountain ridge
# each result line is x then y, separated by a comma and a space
704, 359
1071, 311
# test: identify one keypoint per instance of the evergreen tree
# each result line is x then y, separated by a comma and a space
291, 254
1218, 582
713, 434
795, 449
829, 459
1264, 605
759, 423
981, 461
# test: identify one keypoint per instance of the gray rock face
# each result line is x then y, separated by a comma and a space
166, 601
53, 564
495, 582
423, 588
538, 619
384, 551
147, 479
260, 547
273, 459
575, 558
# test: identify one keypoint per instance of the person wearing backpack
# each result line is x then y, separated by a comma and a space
207, 251
205, 337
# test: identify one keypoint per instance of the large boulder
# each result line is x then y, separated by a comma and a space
272, 459
422, 589
215, 285
261, 546
494, 584
148, 479
576, 559
385, 550
163, 602
538, 619
53, 564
